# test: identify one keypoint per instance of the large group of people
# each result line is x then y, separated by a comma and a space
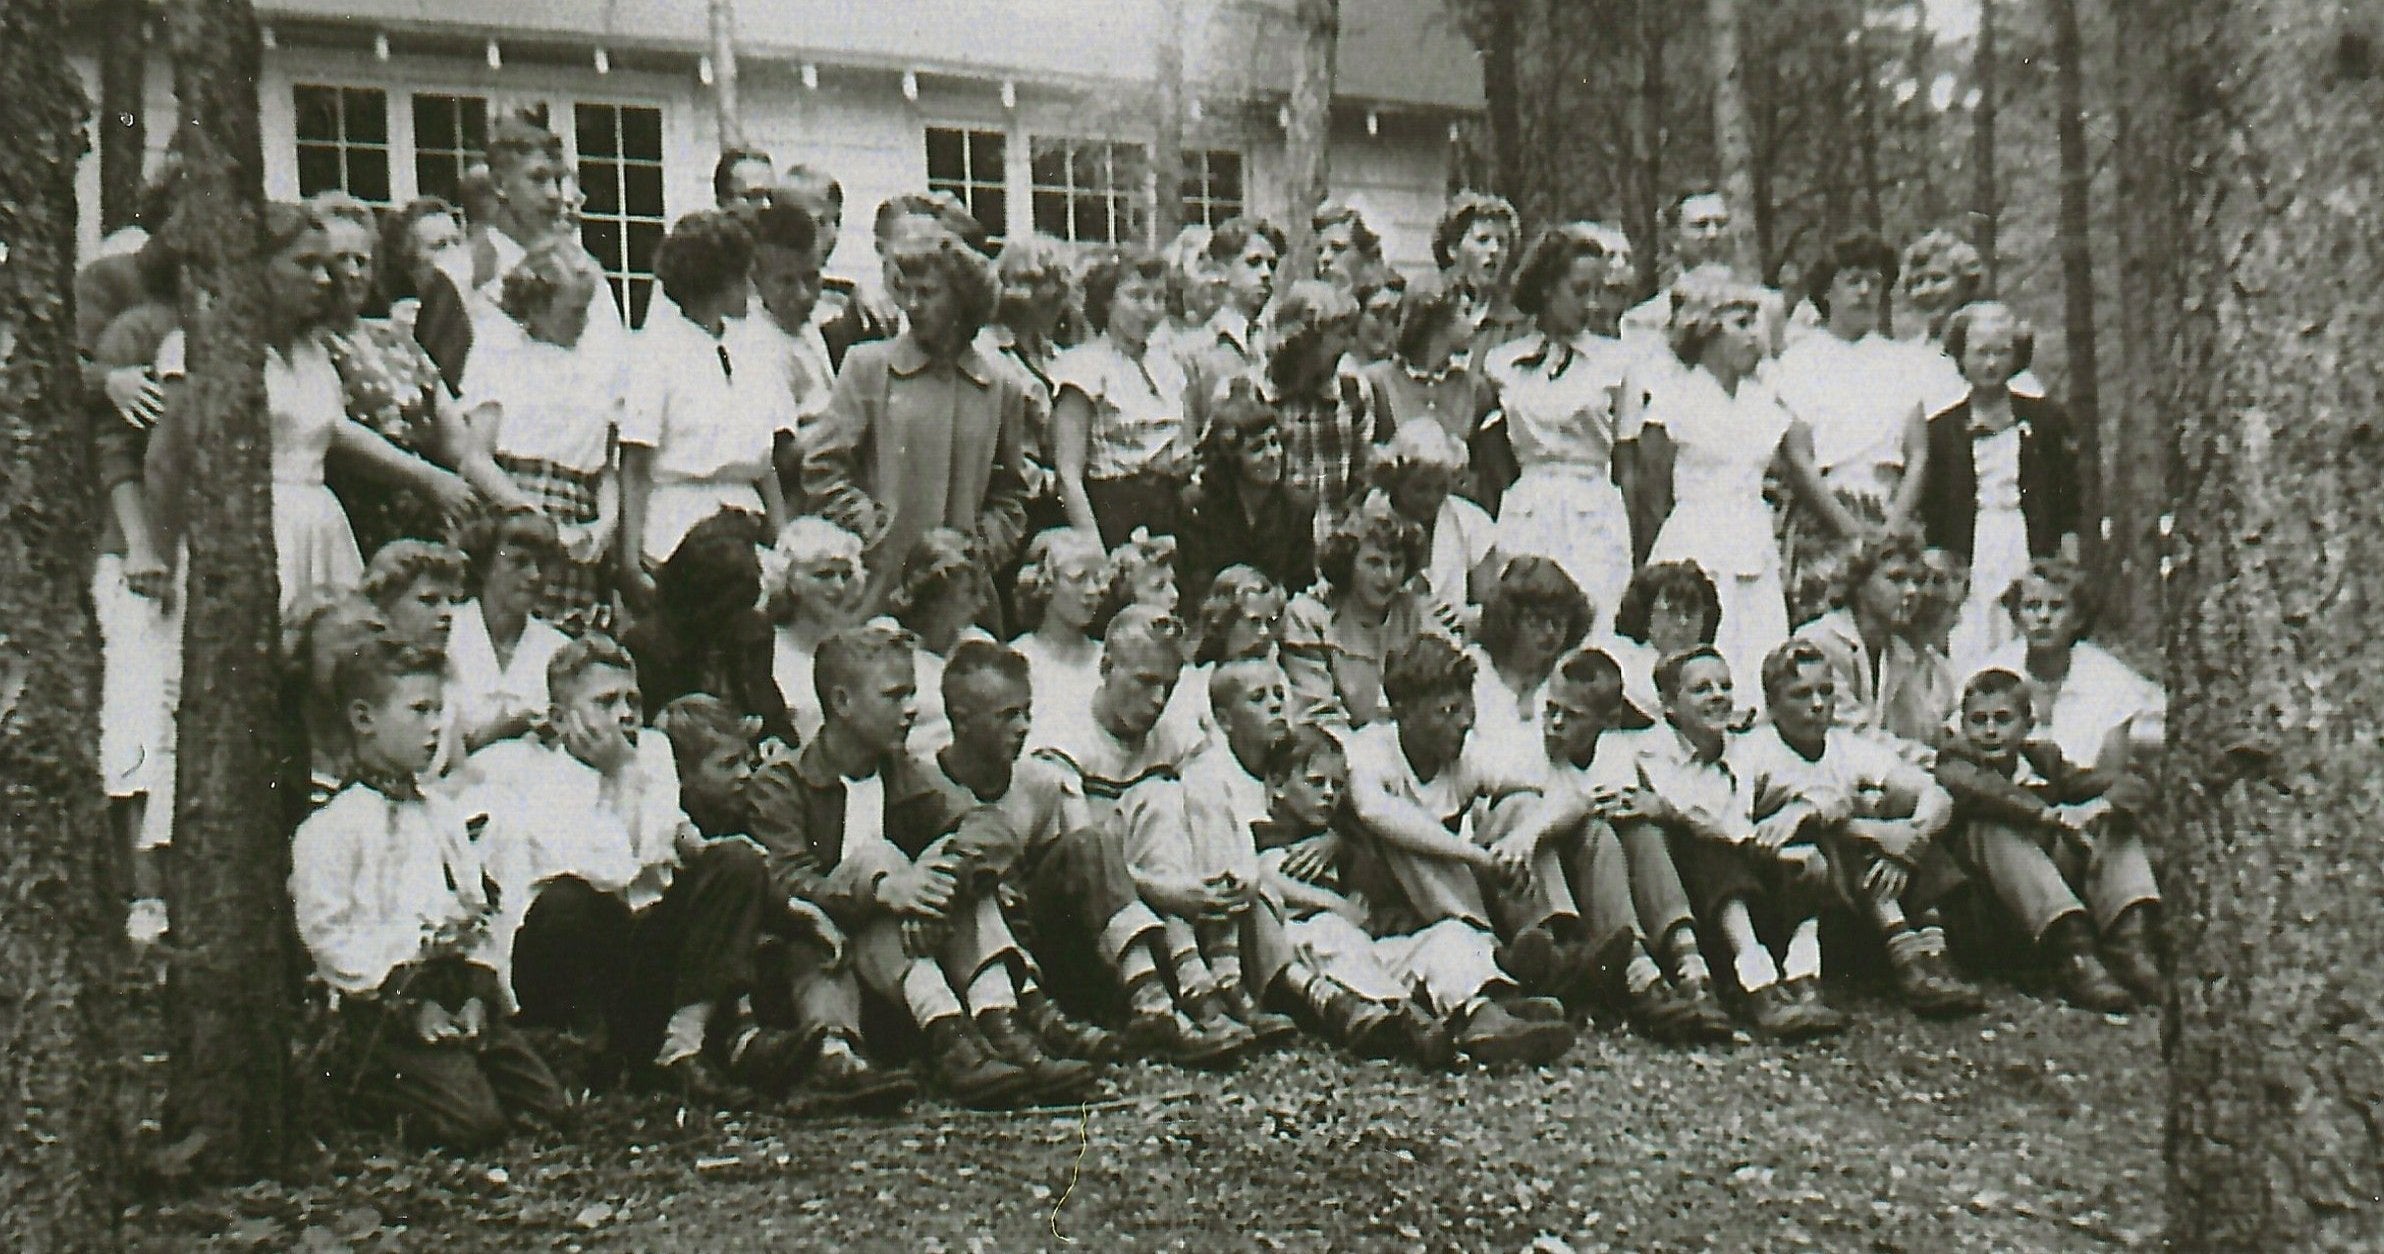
1015, 665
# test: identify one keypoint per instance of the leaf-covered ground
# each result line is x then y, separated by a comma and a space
2032, 1128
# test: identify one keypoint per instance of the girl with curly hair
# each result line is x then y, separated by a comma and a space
1472, 243
942, 591
1572, 406
814, 580
1244, 511
1060, 589
1669, 608
1122, 447
1534, 617
1364, 608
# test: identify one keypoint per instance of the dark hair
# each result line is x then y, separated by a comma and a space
972, 657
483, 534
947, 210
1230, 237
286, 223
1999, 682
1234, 587
2068, 576
1784, 661
156, 203
1856, 250
1424, 310
1668, 670
715, 571
699, 722
1238, 410
942, 560
1680, 202
1108, 272
1676, 580
782, 224
1528, 583
1304, 743
371, 670
1458, 219
730, 159
846, 655
159, 263
514, 138
970, 275
394, 259
577, 657
1958, 330
1589, 666
1333, 213
1873, 550
1550, 257
1376, 523
1425, 667
704, 253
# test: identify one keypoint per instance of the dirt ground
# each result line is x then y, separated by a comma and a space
2031, 1128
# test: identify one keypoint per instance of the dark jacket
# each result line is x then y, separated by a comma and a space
2049, 489
1982, 791
797, 809
1280, 543
733, 661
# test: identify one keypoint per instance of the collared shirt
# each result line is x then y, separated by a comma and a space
482, 691
707, 411
371, 877
1857, 398
548, 403
1138, 408
1328, 437
804, 820
2100, 696
800, 362
1335, 663
1773, 774
1564, 400
1707, 789
1482, 772
551, 815
1908, 693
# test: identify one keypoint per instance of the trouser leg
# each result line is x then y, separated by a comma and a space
695, 946
569, 956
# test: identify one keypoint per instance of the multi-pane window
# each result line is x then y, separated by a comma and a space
1212, 186
343, 141
1090, 191
449, 134
970, 165
620, 170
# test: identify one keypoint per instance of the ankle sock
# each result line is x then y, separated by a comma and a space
684, 1036
1803, 959
992, 990
1642, 973
927, 994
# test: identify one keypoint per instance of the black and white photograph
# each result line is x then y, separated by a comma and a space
1545, 626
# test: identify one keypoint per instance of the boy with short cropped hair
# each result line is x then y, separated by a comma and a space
1688, 788
1871, 817
392, 907
2061, 846
861, 829
1413, 790
1068, 890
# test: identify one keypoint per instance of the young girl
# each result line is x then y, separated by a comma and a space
1060, 589
1428, 378
1337, 637
1669, 607
2000, 486
543, 415
1123, 449
816, 581
1535, 616
942, 591
497, 646
1472, 242
1570, 406
416, 585
700, 428
1419, 472
1243, 510
1712, 432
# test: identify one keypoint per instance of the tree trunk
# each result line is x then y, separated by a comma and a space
123, 125
61, 924
1308, 141
2149, 225
1866, 84
2275, 1034
1502, 94
1733, 150
724, 74
2077, 266
228, 1002
1167, 129
1985, 200
1653, 95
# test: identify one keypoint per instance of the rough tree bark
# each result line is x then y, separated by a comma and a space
1308, 141
2275, 1037
1866, 85
1502, 95
2149, 223
1167, 124
123, 126
1733, 149
227, 996
1986, 208
1647, 225
2075, 229
61, 931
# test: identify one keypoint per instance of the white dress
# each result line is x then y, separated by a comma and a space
1856, 398
1562, 403
1722, 445
1998, 549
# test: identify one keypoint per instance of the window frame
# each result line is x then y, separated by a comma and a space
625, 280
1133, 196
1202, 206
342, 146
975, 181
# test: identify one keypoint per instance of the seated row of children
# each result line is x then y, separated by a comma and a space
733, 861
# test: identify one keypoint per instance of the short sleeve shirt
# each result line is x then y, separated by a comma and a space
1138, 408
1480, 773
706, 414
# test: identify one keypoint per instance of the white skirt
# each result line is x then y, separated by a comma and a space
675, 506
313, 548
1573, 516
140, 643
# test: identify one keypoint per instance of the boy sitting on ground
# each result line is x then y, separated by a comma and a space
859, 828
1868, 813
393, 910
2060, 846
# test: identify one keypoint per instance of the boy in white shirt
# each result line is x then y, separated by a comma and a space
392, 908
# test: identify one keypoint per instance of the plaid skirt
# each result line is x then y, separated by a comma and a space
577, 596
